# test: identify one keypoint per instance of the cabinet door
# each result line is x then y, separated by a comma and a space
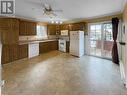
22, 28
48, 46
31, 28
9, 53
40, 48
44, 47
54, 45
9, 29
27, 28
64, 27
14, 36
34, 32
57, 29
13, 52
23, 51
67, 46
5, 29
51, 29
5, 54
78, 26
70, 27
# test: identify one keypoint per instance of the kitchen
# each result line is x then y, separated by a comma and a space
55, 47
23, 41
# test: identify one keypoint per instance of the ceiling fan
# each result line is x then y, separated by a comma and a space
48, 10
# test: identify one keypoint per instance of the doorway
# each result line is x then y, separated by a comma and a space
100, 39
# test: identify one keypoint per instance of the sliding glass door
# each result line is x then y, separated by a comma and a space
95, 40
107, 40
100, 39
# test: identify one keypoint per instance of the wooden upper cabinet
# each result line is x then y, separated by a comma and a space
33, 29
9, 29
55, 29
27, 28
51, 29
78, 26
22, 28
14, 31
73, 26
64, 27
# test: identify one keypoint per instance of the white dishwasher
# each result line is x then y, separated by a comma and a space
33, 49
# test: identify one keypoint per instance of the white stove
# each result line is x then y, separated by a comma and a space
62, 45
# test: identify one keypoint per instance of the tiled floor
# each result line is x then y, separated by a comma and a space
58, 73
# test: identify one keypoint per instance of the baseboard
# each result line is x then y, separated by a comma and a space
122, 71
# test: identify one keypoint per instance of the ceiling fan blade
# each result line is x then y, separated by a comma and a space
57, 10
47, 6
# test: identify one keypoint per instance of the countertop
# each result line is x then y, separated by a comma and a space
35, 41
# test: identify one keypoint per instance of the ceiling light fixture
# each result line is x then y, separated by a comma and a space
52, 22
56, 22
61, 22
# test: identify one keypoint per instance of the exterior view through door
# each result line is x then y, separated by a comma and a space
100, 39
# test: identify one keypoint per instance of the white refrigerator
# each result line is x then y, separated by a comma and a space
77, 43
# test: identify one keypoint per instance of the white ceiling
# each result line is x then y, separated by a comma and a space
72, 9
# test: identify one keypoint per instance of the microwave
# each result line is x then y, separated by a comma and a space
64, 32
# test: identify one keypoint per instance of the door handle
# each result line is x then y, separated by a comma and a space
122, 43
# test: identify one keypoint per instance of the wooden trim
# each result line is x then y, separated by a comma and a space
42, 23
102, 19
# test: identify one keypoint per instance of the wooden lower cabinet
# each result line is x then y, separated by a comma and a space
48, 46
23, 51
15, 52
53, 45
67, 46
5, 54
12, 53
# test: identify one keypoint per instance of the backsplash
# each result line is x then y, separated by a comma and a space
24, 38
53, 37
64, 38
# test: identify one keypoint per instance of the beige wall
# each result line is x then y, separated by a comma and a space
124, 37
102, 19
123, 60
42, 23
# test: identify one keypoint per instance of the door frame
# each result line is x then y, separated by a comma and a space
102, 34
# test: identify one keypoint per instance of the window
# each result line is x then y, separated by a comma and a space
108, 32
95, 32
41, 31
